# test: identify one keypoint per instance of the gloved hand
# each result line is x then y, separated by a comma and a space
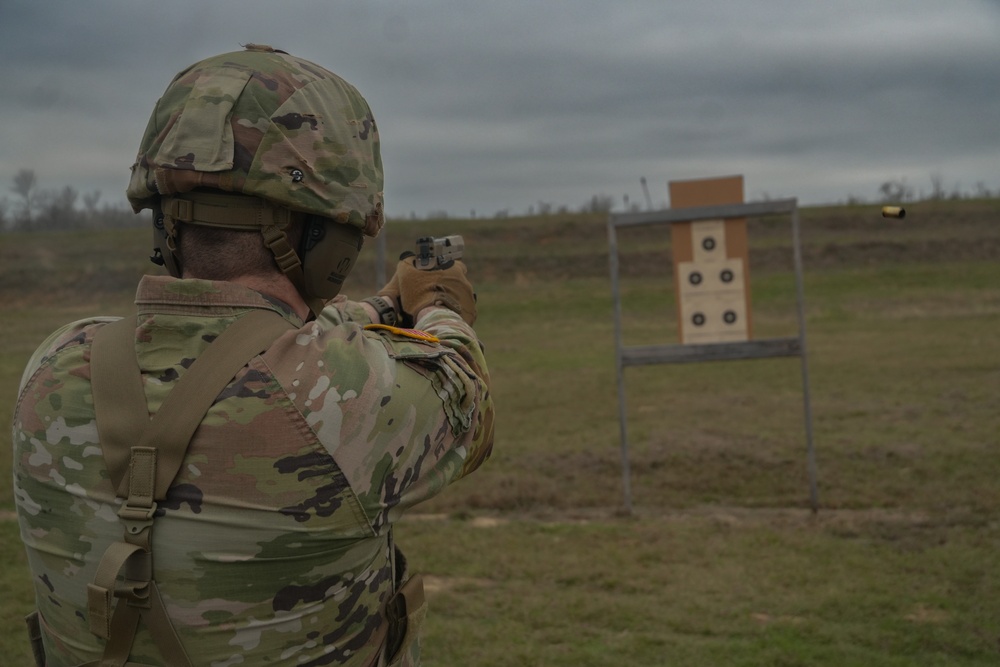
449, 288
386, 304
391, 292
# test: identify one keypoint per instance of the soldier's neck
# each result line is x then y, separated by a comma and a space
279, 287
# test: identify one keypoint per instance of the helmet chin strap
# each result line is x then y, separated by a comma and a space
232, 211
288, 261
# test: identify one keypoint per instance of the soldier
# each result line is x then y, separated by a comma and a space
215, 480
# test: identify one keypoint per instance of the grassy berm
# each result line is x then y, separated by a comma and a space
532, 562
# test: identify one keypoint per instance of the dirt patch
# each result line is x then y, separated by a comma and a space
922, 615
434, 584
720, 514
767, 619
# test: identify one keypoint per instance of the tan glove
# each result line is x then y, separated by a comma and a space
449, 288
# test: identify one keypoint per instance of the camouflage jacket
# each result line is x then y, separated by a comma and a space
271, 547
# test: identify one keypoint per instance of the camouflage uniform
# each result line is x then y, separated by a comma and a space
273, 544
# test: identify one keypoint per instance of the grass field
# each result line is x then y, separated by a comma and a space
532, 562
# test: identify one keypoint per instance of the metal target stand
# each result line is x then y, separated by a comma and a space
689, 353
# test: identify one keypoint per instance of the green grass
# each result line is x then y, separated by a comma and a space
531, 562
17, 594
718, 586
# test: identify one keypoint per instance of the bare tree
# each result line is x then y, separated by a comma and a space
598, 204
24, 185
937, 186
90, 203
61, 210
894, 191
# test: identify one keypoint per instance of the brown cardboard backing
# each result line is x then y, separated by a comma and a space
710, 192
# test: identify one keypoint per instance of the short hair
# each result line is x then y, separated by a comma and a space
215, 253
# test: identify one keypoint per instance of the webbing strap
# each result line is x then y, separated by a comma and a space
123, 627
175, 422
288, 261
152, 450
225, 210
284, 256
171, 428
139, 509
119, 397
163, 632
100, 593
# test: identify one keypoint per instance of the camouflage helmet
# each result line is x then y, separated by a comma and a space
263, 123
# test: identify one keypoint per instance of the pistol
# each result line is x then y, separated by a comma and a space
438, 253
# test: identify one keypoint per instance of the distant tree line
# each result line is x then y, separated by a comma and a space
600, 203
898, 190
38, 209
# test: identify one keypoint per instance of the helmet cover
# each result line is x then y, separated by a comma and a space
263, 123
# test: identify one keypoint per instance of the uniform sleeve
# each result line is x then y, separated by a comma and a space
404, 413
70, 334
453, 333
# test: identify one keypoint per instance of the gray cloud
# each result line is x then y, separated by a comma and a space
491, 106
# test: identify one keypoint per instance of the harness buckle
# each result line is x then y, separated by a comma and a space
136, 519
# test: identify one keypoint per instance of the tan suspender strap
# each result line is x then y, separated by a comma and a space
100, 593
118, 395
163, 632
180, 415
151, 451
139, 508
123, 626
118, 392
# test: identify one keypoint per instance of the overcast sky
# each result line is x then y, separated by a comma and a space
498, 105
